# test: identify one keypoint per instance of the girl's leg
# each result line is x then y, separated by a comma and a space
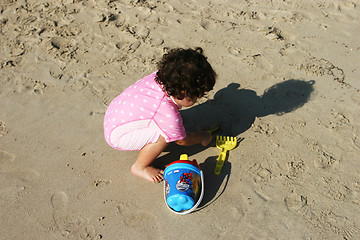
146, 156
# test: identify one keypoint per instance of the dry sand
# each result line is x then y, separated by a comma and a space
288, 85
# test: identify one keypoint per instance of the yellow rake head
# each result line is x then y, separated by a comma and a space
227, 143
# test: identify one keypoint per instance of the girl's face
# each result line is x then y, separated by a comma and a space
185, 102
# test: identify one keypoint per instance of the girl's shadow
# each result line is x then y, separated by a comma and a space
234, 110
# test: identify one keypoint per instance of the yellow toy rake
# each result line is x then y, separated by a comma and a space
225, 144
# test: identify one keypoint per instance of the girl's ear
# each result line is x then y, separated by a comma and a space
182, 95
199, 50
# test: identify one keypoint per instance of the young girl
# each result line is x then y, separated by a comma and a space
146, 116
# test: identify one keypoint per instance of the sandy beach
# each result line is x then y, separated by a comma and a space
288, 87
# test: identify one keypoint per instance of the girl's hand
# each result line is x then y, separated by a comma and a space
195, 138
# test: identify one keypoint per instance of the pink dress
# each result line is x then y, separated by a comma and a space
140, 114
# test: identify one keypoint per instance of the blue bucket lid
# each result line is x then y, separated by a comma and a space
184, 165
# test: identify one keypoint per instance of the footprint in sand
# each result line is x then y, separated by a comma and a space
321, 67
30, 85
259, 61
236, 52
13, 180
325, 160
59, 204
154, 39
321, 217
137, 219
340, 190
327, 156
263, 128
296, 167
139, 32
24, 175
62, 48
76, 83
132, 217
64, 222
17, 48
338, 121
131, 47
261, 174
295, 202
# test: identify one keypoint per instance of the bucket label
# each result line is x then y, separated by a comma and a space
184, 182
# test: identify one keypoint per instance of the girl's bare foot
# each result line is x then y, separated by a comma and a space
149, 173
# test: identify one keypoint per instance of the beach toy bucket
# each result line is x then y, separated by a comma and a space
184, 185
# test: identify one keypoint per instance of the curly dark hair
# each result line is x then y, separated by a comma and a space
185, 71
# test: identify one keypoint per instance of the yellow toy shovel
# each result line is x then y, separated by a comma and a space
225, 144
